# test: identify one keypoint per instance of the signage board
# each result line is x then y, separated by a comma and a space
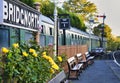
17, 14
64, 23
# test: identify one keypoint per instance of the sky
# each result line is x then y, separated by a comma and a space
111, 9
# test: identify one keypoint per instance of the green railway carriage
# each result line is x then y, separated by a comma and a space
77, 37
47, 31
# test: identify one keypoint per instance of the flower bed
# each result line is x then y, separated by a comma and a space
28, 63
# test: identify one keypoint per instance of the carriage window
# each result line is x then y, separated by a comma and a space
72, 36
50, 30
75, 36
43, 29
78, 36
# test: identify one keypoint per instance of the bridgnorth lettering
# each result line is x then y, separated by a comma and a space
17, 15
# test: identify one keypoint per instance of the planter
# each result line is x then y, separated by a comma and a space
61, 76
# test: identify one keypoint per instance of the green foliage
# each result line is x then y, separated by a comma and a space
75, 19
28, 2
47, 8
82, 7
98, 30
113, 43
107, 31
26, 64
63, 60
77, 22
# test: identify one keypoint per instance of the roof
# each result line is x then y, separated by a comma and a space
46, 19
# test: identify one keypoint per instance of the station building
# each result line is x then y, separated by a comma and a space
17, 22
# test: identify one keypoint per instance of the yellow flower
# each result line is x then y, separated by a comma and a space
59, 58
44, 53
25, 54
49, 58
15, 45
51, 62
31, 50
35, 54
55, 66
52, 70
5, 50
44, 56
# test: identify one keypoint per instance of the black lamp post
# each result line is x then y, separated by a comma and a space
102, 35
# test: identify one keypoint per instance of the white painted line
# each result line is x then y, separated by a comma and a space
115, 59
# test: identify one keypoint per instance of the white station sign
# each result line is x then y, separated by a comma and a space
16, 14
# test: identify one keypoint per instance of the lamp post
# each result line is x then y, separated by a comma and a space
55, 28
91, 21
102, 35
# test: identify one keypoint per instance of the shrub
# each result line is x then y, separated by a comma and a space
27, 63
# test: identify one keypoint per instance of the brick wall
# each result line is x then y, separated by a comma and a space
70, 51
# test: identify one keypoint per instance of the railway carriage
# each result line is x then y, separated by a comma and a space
73, 36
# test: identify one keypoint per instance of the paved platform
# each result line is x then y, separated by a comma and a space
114, 67
102, 71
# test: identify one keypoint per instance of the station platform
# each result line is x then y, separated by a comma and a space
101, 71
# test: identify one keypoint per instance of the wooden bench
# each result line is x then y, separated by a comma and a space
89, 59
73, 67
80, 59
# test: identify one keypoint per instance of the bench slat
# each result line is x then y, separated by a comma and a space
89, 58
77, 66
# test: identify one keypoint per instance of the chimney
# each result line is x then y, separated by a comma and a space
37, 6
37, 36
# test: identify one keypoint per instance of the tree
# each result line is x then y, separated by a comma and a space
107, 31
76, 21
28, 2
82, 7
98, 30
46, 7
113, 43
